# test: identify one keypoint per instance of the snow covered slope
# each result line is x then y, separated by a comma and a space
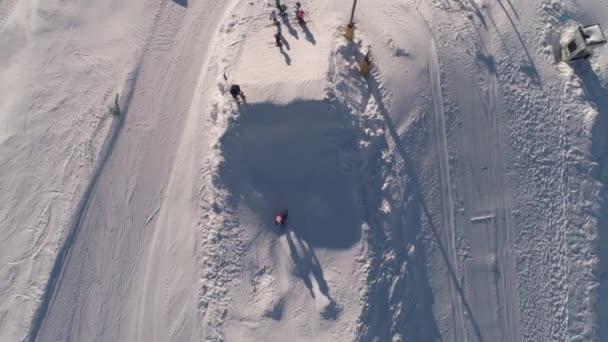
59, 73
453, 194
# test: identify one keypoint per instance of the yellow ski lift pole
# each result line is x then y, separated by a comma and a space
366, 62
350, 28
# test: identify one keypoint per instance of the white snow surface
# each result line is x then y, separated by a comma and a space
595, 35
453, 194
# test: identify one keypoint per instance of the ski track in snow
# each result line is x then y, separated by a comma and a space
6, 8
446, 196
117, 234
52, 133
481, 247
550, 258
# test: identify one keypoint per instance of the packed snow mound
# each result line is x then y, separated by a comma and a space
301, 157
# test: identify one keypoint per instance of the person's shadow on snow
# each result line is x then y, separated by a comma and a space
308, 268
290, 28
284, 43
309, 36
285, 55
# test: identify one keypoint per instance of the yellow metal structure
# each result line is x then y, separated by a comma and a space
350, 32
364, 66
366, 62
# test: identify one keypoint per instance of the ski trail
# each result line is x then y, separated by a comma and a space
6, 9
74, 226
481, 195
170, 248
446, 196
508, 300
97, 286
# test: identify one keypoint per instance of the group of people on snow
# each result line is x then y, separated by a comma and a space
235, 89
298, 11
280, 218
299, 14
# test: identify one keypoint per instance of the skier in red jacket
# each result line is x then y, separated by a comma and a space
280, 218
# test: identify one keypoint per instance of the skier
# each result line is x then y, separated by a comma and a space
280, 218
299, 12
282, 8
273, 17
235, 91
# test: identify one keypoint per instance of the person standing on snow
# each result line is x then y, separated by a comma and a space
282, 8
277, 36
275, 21
235, 91
280, 218
273, 17
299, 12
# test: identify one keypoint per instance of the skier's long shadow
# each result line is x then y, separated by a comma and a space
308, 268
417, 193
290, 28
309, 36
285, 55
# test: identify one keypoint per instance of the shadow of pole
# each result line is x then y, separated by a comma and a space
411, 172
513, 9
532, 67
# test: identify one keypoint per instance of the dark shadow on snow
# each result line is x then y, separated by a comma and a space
183, 3
529, 69
297, 157
290, 28
398, 300
474, 8
309, 36
528, 66
418, 197
597, 94
301, 157
513, 9
285, 44
74, 225
307, 267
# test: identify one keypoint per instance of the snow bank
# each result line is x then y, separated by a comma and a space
302, 156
